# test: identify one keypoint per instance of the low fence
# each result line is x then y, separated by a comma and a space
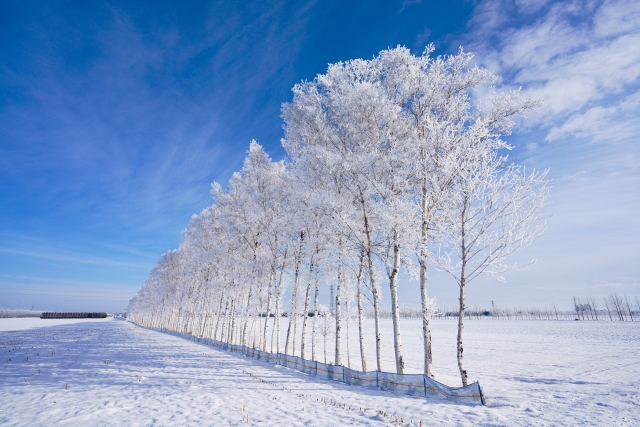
52, 315
410, 384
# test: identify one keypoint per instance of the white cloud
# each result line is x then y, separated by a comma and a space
617, 18
582, 57
530, 6
614, 124
578, 176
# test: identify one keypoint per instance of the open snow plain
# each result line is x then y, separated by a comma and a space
110, 372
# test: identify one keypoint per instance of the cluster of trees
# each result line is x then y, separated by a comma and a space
394, 163
7, 312
615, 307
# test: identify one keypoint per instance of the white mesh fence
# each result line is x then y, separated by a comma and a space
410, 384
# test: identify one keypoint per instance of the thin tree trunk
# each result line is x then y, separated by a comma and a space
360, 313
276, 323
338, 355
629, 308
463, 372
279, 290
372, 279
273, 334
424, 298
325, 348
426, 319
266, 322
595, 308
246, 319
203, 325
347, 319
314, 338
393, 285
294, 292
291, 315
232, 324
277, 320
306, 318
295, 323
256, 336
224, 322
218, 316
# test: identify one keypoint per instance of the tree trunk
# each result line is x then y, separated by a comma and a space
462, 283
253, 327
314, 338
224, 323
338, 355
393, 285
232, 323
346, 307
246, 319
424, 298
266, 322
292, 315
218, 316
203, 325
372, 279
277, 321
463, 372
360, 313
629, 308
325, 348
304, 323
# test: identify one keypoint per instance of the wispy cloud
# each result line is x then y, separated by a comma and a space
582, 57
75, 258
579, 55
127, 124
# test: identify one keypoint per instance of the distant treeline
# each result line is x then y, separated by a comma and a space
614, 307
5, 313
52, 315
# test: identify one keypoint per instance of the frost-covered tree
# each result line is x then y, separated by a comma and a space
393, 163
492, 212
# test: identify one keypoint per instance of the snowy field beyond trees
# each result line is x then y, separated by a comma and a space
110, 372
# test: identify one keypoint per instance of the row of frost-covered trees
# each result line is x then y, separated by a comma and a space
393, 164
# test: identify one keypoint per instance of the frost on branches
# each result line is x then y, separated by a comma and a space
394, 163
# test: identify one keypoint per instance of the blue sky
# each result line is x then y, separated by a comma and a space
115, 118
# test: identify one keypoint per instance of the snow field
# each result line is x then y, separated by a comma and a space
533, 373
114, 373
22, 323
565, 372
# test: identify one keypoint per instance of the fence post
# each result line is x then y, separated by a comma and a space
424, 384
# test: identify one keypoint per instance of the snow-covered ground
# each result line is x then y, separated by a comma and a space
22, 323
110, 372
